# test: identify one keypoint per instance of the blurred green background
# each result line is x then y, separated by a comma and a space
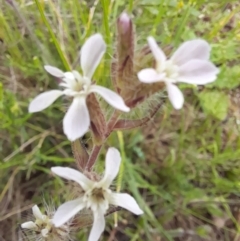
183, 167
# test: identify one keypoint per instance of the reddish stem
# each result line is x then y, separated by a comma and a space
97, 148
93, 157
113, 120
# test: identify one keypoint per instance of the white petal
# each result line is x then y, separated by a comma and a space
198, 72
73, 175
175, 96
98, 226
76, 121
77, 75
111, 97
126, 201
193, 49
69, 76
44, 100
65, 85
54, 71
157, 52
91, 53
150, 76
29, 225
80, 79
66, 211
44, 232
36, 212
112, 165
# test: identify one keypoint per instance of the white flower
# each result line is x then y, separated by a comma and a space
42, 224
97, 195
76, 121
44, 229
189, 64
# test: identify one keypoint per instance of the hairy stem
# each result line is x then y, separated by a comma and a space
130, 124
111, 123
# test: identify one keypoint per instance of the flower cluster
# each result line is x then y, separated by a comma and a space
189, 64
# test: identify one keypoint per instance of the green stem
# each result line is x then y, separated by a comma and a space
64, 60
105, 19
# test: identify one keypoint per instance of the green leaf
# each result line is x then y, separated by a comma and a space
229, 78
214, 103
224, 51
202, 231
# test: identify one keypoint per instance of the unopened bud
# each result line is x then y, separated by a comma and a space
125, 33
124, 23
122, 67
127, 63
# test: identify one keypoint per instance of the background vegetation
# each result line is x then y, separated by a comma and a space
183, 167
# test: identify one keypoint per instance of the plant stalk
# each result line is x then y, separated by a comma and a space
97, 148
93, 157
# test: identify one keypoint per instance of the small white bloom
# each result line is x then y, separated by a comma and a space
44, 228
76, 121
42, 223
189, 64
97, 195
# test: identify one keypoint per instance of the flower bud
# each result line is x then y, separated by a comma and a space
124, 23
127, 63
122, 68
